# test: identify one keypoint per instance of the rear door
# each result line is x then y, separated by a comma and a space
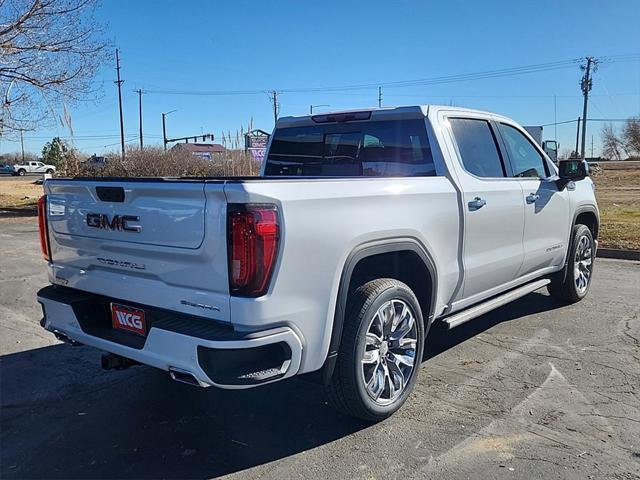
493, 208
547, 209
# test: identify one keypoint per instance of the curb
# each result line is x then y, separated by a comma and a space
9, 212
619, 254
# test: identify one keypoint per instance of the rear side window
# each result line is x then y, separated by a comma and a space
370, 149
478, 147
526, 161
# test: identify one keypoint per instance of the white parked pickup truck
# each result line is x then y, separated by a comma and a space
364, 229
25, 168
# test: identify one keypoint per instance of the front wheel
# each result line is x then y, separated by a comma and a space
381, 351
579, 268
50, 171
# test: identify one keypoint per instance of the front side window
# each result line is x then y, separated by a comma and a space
526, 161
365, 148
478, 148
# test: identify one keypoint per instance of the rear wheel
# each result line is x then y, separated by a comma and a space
380, 352
580, 262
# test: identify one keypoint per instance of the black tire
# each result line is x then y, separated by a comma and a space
574, 285
50, 171
22, 172
347, 391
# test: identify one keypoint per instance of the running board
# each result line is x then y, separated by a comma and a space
493, 303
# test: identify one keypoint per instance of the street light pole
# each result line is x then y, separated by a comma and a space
140, 92
311, 107
22, 144
164, 128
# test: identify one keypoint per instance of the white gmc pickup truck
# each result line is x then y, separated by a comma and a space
364, 228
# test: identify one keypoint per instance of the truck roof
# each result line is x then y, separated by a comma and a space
384, 113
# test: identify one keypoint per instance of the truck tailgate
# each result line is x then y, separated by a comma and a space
160, 243
172, 213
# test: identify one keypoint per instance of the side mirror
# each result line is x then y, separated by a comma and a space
571, 170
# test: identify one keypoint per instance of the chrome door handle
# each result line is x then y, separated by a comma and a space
532, 198
477, 203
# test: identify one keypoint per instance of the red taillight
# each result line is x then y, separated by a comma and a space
253, 232
42, 227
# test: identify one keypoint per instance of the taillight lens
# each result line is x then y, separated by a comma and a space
42, 227
253, 236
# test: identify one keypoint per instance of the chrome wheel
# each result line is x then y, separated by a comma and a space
389, 352
582, 264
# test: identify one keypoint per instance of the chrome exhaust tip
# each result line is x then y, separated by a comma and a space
183, 376
64, 338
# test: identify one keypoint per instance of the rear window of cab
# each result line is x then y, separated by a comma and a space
398, 148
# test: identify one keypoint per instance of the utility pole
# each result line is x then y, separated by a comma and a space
274, 98
379, 97
555, 119
140, 92
585, 85
577, 137
119, 82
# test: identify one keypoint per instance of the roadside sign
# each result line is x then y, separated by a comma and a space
256, 142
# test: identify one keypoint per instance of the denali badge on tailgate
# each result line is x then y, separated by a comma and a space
117, 222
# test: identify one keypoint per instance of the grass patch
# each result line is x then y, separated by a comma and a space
19, 193
620, 227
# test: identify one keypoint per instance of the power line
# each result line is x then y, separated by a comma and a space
397, 84
85, 137
590, 119
503, 72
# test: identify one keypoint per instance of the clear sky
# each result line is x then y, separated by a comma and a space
252, 45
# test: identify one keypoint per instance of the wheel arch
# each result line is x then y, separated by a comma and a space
587, 215
584, 215
356, 267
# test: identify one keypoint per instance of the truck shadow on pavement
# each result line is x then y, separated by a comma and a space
62, 417
440, 339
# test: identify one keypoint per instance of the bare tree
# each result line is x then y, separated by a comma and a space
631, 135
49, 53
611, 144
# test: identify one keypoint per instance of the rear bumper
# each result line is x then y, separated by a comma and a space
214, 354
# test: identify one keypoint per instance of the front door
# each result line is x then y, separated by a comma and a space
546, 208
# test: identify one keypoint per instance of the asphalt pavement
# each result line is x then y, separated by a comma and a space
534, 389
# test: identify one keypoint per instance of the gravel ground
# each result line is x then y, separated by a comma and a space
531, 390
